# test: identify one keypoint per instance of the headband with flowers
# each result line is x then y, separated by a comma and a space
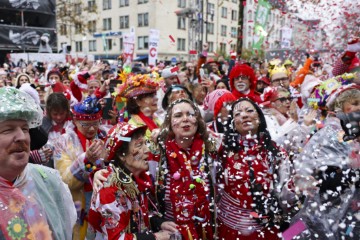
138, 84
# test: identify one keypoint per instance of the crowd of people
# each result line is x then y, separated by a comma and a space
208, 149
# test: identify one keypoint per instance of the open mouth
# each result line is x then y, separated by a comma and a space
186, 127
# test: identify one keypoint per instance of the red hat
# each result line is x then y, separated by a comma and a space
245, 70
216, 99
119, 134
264, 79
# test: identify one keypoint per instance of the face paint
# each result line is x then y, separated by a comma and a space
241, 87
183, 120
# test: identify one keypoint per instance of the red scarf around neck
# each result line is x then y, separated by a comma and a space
148, 121
187, 193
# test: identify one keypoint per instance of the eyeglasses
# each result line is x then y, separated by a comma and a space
89, 125
280, 80
242, 77
284, 99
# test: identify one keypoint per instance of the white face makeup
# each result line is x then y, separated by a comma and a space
246, 118
183, 121
242, 83
241, 87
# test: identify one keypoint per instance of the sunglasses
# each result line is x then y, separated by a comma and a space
284, 99
243, 77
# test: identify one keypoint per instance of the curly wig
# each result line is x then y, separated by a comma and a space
245, 70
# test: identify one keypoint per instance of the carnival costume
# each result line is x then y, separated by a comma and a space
74, 168
244, 70
185, 188
37, 205
120, 209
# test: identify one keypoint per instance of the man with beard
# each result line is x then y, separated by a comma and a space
35, 203
243, 82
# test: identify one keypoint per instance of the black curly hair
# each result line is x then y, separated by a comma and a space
231, 137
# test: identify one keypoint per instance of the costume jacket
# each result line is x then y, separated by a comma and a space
69, 159
185, 190
120, 209
236, 213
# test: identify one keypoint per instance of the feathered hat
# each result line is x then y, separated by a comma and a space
138, 84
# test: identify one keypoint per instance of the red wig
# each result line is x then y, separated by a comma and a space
242, 70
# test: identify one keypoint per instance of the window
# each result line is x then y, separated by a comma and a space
211, 46
121, 43
234, 1
181, 22
77, 8
107, 24
234, 15
92, 45
124, 22
250, 16
223, 30
143, 19
78, 28
233, 47
142, 1
63, 29
249, 31
210, 28
210, 8
92, 26
249, 45
106, 4
181, 3
78, 46
124, 3
181, 44
107, 44
233, 32
143, 43
91, 6
224, 12
223, 47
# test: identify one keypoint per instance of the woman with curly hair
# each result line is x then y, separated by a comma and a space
185, 174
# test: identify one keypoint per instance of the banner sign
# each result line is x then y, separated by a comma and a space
154, 37
261, 15
128, 48
26, 38
40, 6
51, 57
286, 34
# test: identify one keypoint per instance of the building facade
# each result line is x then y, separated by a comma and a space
98, 26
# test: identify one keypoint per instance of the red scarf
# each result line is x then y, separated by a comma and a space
187, 192
148, 121
252, 95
